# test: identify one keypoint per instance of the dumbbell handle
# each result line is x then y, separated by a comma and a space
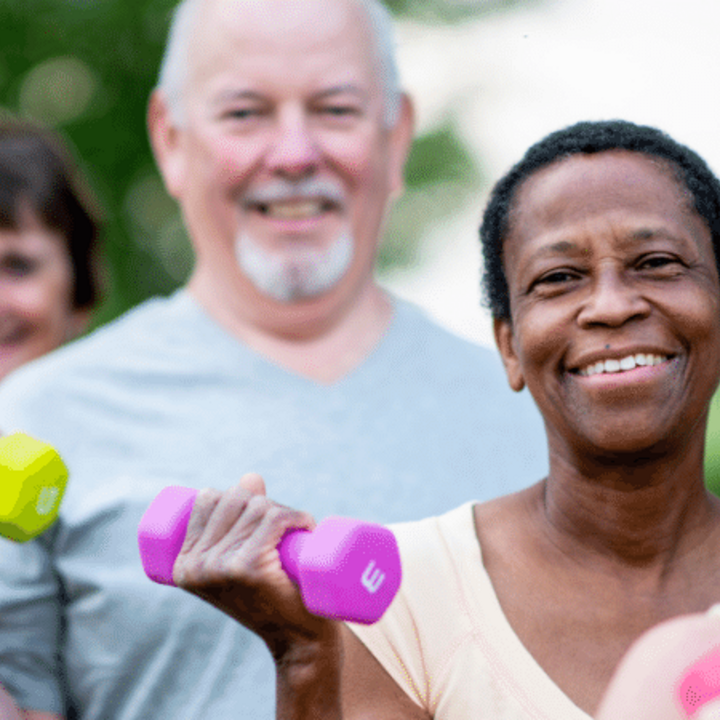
169, 515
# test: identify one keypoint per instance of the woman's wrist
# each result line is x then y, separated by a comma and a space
308, 676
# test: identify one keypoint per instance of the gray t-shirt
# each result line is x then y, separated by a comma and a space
165, 396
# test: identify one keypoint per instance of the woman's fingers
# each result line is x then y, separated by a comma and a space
230, 559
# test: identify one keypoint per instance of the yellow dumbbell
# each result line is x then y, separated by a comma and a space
32, 482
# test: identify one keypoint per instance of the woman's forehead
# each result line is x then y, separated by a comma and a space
584, 184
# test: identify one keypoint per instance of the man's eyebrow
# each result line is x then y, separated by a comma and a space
235, 95
230, 96
347, 88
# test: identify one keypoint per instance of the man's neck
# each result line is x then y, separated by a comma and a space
321, 349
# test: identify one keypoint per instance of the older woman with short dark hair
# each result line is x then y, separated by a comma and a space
48, 245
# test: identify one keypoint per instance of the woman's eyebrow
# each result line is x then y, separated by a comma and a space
650, 233
568, 247
560, 247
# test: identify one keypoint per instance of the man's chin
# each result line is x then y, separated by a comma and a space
295, 275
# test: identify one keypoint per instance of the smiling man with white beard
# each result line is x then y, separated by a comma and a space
280, 129
296, 271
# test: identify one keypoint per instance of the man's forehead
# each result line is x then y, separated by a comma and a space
286, 18
258, 34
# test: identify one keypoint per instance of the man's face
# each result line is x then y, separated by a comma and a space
284, 164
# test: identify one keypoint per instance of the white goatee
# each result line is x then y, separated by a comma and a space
296, 272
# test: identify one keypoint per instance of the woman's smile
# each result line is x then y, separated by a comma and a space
625, 364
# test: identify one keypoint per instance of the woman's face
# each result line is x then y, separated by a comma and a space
615, 303
36, 294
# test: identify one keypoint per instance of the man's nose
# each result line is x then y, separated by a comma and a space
613, 300
294, 152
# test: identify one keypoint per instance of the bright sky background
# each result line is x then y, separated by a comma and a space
513, 78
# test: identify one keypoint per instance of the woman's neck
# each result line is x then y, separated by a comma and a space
641, 512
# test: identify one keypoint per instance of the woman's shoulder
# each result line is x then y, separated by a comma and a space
507, 518
437, 536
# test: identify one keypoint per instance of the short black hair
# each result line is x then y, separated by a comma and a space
38, 173
589, 138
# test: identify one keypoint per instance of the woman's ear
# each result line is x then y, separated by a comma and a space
505, 340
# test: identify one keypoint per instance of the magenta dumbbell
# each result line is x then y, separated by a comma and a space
700, 684
345, 569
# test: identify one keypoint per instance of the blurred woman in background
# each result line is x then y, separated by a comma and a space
48, 241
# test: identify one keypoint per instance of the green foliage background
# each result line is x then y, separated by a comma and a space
86, 67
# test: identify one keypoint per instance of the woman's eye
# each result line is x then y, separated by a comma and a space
555, 281
17, 266
656, 261
557, 277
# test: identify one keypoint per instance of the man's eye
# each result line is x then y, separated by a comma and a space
339, 110
241, 113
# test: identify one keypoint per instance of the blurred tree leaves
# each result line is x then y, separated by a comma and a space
450, 11
440, 175
86, 67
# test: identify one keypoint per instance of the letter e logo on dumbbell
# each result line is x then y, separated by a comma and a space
46, 500
372, 578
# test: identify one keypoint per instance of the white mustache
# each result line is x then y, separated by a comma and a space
284, 190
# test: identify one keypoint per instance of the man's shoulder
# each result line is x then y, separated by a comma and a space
108, 346
430, 342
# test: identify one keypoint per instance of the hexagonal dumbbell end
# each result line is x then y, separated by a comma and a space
346, 569
162, 529
32, 483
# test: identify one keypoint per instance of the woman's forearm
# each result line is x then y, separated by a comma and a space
308, 680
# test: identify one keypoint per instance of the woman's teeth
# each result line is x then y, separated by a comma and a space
627, 363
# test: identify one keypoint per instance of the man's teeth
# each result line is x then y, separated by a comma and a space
296, 210
627, 363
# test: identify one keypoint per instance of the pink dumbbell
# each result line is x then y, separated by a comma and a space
345, 569
700, 684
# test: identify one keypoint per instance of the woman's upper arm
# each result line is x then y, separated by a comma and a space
368, 691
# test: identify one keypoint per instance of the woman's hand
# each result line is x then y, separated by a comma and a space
230, 559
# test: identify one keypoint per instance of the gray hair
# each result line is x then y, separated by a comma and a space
173, 70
